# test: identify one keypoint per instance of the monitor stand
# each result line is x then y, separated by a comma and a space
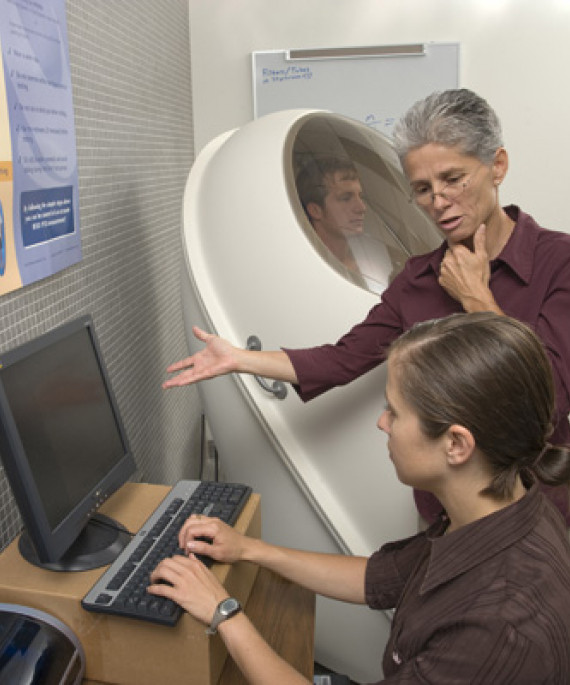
98, 544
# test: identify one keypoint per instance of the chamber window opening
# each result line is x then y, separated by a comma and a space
353, 203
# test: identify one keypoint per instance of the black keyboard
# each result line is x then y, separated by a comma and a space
122, 589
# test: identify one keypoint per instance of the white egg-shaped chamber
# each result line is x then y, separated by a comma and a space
256, 272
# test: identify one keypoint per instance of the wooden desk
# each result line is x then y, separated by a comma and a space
128, 652
284, 614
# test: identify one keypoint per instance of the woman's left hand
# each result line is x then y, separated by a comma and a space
465, 275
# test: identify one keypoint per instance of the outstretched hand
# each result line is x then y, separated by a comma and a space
465, 274
217, 358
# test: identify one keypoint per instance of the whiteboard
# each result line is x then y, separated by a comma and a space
374, 85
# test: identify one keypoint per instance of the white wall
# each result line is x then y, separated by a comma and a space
515, 53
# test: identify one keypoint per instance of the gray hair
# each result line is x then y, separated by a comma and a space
451, 118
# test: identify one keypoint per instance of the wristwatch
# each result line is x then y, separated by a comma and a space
226, 609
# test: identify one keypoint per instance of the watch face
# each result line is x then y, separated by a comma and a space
229, 606
226, 609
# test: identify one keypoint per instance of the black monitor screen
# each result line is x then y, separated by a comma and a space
66, 424
63, 444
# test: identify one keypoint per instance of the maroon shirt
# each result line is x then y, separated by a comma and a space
486, 604
530, 281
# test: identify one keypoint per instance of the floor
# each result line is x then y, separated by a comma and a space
336, 679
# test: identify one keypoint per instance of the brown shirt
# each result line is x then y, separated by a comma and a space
488, 604
530, 280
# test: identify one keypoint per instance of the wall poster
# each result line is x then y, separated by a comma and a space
39, 211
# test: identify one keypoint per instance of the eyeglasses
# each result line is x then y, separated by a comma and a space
455, 186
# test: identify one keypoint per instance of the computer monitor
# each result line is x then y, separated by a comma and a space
64, 447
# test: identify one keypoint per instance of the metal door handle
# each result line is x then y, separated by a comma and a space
277, 388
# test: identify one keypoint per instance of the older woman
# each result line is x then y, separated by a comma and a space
483, 596
493, 259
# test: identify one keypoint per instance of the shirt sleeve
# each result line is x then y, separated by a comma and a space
388, 569
361, 349
414, 295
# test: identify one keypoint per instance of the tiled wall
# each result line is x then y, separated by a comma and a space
130, 64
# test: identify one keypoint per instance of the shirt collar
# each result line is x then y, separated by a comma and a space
473, 544
518, 253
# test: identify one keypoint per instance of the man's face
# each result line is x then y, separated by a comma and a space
344, 207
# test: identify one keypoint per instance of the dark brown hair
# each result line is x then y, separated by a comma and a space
311, 180
490, 374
